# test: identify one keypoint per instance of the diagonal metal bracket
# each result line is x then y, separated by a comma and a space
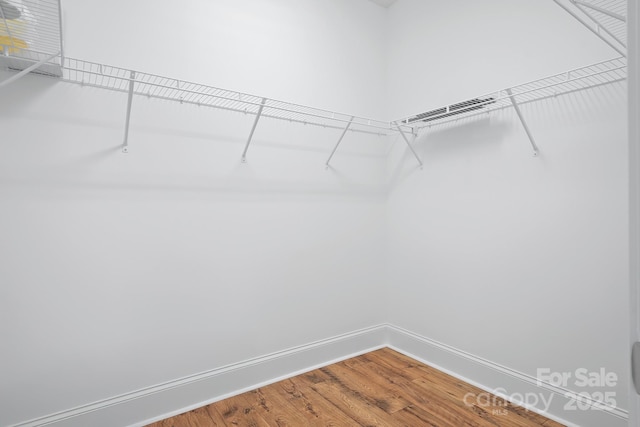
404, 136
600, 9
125, 144
27, 70
597, 28
524, 124
253, 129
344, 132
583, 7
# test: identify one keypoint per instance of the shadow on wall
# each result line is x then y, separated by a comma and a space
24, 93
473, 135
65, 138
481, 135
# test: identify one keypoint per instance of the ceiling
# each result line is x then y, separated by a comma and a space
384, 3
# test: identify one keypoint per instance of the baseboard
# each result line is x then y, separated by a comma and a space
151, 404
506, 382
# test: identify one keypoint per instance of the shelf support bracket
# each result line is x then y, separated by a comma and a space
600, 9
27, 70
599, 26
344, 132
253, 129
125, 144
404, 136
590, 28
524, 123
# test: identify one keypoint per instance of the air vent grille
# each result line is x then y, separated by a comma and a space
452, 110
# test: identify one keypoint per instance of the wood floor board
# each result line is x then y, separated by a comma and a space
237, 411
274, 406
400, 385
397, 364
376, 393
327, 413
381, 388
418, 416
354, 405
320, 411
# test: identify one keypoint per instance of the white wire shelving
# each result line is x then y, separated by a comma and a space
588, 77
169, 89
605, 18
31, 36
153, 86
594, 75
166, 88
35, 45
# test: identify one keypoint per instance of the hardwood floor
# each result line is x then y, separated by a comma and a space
381, 388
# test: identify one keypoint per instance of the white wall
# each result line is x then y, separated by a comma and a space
515, 259
321, 53
123, 271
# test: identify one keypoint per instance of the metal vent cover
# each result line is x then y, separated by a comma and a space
452, 110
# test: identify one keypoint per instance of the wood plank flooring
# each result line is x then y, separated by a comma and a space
381, 388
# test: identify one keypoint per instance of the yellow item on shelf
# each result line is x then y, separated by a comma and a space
15, 33
13, 44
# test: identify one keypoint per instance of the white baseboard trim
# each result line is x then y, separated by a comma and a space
504, 381
154, 403
151, 404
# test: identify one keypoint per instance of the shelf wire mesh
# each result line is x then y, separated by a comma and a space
609, 14
41, 31
169, 89
583, 78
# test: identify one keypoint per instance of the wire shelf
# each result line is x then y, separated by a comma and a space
609, 14
165, 88
598, 74
604, 18
32, 42
31, 31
